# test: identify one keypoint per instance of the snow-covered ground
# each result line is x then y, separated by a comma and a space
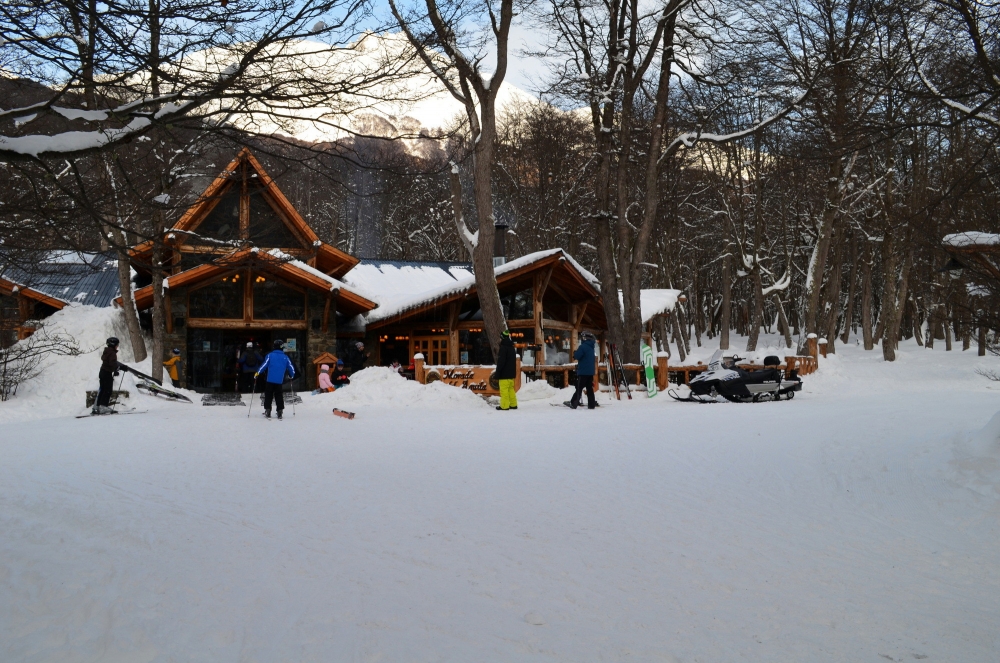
857, 522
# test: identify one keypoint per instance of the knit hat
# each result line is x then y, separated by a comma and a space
325, 368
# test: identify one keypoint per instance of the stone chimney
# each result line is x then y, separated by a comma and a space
499, 244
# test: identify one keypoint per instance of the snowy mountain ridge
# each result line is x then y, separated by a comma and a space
381, 88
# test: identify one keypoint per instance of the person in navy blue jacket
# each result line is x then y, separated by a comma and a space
585, 370
274, 369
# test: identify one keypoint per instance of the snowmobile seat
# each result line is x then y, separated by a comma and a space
762, 376
772, 360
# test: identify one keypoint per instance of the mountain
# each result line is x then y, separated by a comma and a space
381, 89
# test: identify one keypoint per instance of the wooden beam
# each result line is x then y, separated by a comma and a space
544, 283
169, 312
536, 307
326, 312
453, 310
244, 203
212, 323
581, 311
521, 323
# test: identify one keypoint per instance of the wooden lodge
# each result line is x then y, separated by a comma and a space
242, 265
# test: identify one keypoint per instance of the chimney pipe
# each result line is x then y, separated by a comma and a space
499, 243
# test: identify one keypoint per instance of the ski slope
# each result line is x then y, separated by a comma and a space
857, 522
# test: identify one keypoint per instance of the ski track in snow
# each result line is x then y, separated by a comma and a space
843, 525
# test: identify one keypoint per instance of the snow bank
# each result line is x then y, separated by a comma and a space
60, 389
976, 462
380, 386
536, 390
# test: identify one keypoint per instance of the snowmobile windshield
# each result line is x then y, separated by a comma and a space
729, 362
715, 363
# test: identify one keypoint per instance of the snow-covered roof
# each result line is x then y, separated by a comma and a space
402, 304
655, 301
394, 281
335, 284
69, 276
971, 238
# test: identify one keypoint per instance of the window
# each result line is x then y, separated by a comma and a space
223, 222
273, 300
266, 227
10, 312
221, 299
519, 306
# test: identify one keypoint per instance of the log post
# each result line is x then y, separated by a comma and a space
537, 310
453, 356
812, 346
661, 371
824, 346
418, 368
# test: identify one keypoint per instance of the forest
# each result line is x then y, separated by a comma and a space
791, 166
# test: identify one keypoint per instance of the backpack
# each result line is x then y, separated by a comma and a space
252, 359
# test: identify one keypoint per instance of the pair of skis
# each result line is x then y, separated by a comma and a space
616, 372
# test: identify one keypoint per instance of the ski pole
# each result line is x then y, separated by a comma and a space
292, 394
119, 387
253, 390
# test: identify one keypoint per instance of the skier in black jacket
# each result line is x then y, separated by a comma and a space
506, 372
109, 369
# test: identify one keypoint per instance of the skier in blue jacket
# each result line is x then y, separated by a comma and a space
275, 367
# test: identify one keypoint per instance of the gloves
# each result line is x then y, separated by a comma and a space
115, 374
256, 375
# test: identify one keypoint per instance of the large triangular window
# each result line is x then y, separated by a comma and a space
267, 230
223, 222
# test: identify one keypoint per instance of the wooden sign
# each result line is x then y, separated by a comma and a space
480, 379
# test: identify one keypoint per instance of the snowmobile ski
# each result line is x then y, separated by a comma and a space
157, 390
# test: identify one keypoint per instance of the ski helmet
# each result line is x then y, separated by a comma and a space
278, 343
176, 351
586, 336
113, 341
249, 344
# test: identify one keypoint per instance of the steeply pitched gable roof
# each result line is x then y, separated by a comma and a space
329, 259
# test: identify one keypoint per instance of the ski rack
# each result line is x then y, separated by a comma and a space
616, 373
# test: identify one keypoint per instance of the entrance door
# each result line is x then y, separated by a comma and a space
434, 349
213, 356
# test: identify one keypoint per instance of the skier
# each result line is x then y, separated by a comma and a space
109, 369
248, 362
357, 357
173, 367
275, 367
506, 372
584, 356
339, 376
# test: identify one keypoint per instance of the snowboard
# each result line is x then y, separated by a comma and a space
580, 406
343, 413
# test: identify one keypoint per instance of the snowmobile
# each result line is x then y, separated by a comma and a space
727, 380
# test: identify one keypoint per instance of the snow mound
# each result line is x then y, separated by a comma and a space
382, 386
976, 464
536, 390
60, 389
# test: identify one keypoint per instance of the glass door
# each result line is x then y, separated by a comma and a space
434, 349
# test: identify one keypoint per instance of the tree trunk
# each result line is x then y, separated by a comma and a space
782, 320
757, 317
725, 308
891, 336
866, 302
982, 340
681, 353
947, 331
851, 291
833, 299
128, 302
482, 256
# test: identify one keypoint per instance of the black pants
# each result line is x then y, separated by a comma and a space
584, 382
272, 390
246, 382
107, 384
